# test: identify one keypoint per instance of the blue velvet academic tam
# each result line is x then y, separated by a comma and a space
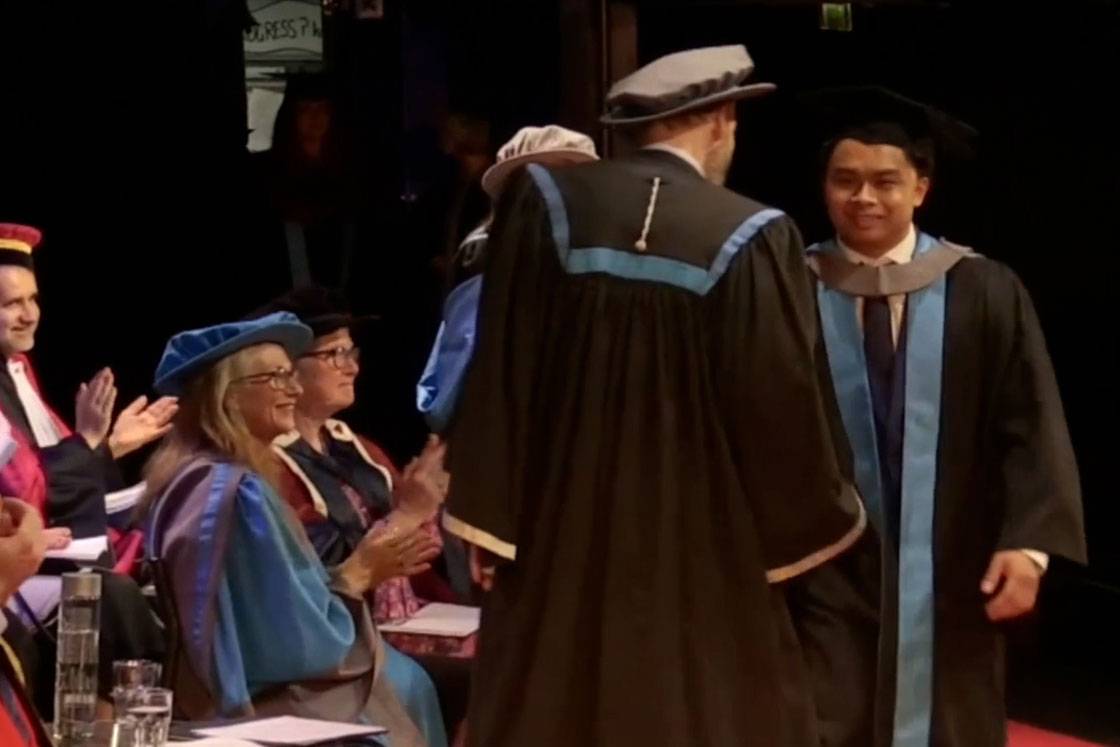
190, 352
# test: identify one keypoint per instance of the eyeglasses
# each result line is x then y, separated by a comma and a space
280, 380
338, 357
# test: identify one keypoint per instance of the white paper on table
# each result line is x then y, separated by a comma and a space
123, 500
451, 620
290, 730
216, 742
88, 549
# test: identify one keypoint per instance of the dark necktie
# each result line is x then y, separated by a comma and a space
878, 346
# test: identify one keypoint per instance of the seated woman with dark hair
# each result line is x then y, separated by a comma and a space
343, 486
266, 629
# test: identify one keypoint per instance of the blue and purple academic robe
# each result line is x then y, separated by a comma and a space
263, 629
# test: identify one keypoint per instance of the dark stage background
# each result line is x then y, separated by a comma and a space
122, 132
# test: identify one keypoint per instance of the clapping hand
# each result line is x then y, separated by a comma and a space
140, 423
393, 553
387, 553
93, 410
424, 483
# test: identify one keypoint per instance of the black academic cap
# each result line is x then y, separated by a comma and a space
847, 110
324, 310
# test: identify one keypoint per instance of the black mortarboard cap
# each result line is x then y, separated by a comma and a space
324, 310
845, 110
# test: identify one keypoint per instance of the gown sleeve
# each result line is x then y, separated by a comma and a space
491, 426
76, 485
1037, 465
274, 597
780, 429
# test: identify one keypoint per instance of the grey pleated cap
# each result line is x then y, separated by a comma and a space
680, 82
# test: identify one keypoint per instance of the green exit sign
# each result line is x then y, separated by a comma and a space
836, 16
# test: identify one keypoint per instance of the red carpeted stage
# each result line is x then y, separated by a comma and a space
1021, 735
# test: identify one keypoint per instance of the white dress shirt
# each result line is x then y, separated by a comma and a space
43, 427
900, 255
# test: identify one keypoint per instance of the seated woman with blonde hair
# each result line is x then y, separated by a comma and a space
266, 629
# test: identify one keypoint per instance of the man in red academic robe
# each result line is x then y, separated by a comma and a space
63, 473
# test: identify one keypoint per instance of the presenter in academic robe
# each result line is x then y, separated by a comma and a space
642, 440
952, 410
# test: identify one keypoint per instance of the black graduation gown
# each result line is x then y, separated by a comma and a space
644, 442
1006, 478
77, 476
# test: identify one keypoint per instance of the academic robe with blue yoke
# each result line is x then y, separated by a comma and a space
440, 384
960, 451
263, 631
641, 438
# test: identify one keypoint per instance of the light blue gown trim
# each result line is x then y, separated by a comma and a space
417, 693
437, 392
635, 266
428, 387
289, 608
206, 536
557, 214
924, 357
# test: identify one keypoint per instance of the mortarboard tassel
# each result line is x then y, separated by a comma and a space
641, 244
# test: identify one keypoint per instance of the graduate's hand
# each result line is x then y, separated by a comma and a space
1013, 578
424, 483
140, 423
93, 409
483, 567
22, 544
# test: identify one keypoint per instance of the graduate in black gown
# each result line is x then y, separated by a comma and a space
642, 440
949, 400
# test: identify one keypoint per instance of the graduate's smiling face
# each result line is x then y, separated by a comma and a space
327, 372
19, 309
872, 191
